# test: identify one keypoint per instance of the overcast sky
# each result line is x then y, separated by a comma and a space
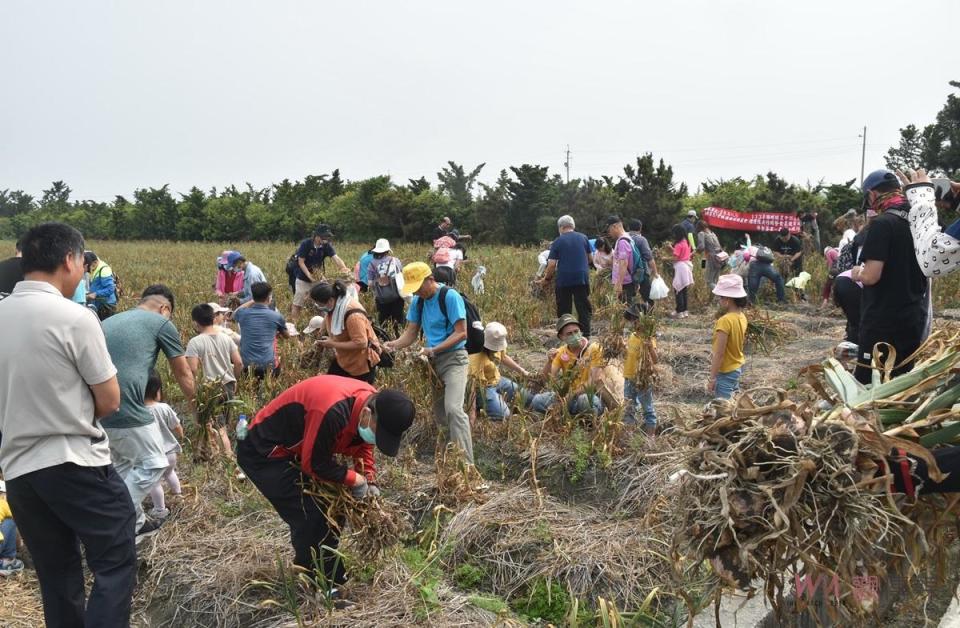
111, 96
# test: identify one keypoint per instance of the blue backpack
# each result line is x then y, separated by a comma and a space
640, 272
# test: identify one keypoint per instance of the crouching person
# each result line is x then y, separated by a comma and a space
496, 391
578, 361
307, 424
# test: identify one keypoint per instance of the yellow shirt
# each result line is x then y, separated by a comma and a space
635, 347
4, 512
735, 326
485, 370
591, 358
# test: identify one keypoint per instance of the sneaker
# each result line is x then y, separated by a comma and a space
149, 528
11, 567
240, 475
159, 513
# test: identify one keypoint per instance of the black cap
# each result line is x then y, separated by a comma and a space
610, 221
323, 231
395, 414
784, 231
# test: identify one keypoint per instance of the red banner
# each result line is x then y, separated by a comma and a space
750, 221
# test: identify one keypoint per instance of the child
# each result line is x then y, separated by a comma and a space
498, 391
9, 563
682, 269
221, 362
641, 357
172, 433
728, 338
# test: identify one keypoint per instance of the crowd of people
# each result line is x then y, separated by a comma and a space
87, 437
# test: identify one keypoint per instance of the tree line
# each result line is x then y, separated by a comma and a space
520, 207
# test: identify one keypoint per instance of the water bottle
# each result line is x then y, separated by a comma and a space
242, 427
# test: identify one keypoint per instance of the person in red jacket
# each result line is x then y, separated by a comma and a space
294, 439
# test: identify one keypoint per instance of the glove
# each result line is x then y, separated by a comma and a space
373, 490
360, 491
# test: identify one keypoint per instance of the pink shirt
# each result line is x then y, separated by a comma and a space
681, 251
622, 251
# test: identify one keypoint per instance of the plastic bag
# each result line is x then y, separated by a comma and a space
658, 289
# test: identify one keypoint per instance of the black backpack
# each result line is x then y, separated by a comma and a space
474, 324
292, 271
386, 359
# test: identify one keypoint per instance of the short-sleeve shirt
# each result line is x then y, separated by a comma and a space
642, 245
259, 326
313, 256
53, 350
135, 338
572, 252
636, 346
898, 298
168, 421
735, 326
791, 247
363, 266
623, 252
682, 251
590, 358
437, 327
484, 369
214, 352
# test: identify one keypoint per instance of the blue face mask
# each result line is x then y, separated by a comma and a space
367, 435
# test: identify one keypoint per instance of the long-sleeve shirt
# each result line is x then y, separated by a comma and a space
251, 275
937, 253
103, 284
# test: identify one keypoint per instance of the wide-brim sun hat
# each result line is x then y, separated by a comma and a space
382, 246
731, 286
567, 319
495, 337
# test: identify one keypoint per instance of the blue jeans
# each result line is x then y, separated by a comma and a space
727, 384
496, 399
581, 404
8, 547
634, 398
759, 270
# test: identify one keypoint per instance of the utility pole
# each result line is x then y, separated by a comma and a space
566, 164
863, 155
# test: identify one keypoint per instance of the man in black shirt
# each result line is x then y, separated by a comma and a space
893, 306
789, 245
10, 272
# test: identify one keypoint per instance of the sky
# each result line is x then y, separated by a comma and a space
114, 96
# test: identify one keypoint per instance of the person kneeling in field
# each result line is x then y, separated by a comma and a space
577, 360
307, 424
497, 391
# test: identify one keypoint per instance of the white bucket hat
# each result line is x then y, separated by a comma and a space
315, 323
730, 285
382, 246
495, 337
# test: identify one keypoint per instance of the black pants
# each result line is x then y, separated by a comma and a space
56, 510
644, 290
904, 339
682, 300
908, 481
579, 296
336, 369
846, 294
281, 482
391, 315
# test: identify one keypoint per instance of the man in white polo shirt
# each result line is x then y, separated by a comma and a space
56, 380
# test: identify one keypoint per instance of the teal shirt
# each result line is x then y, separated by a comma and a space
134, 340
